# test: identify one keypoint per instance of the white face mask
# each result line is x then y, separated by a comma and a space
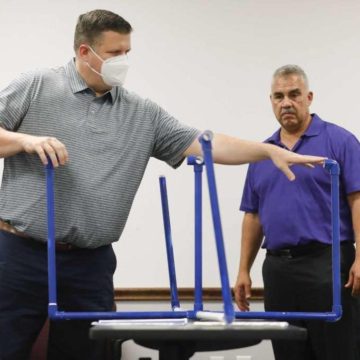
113, 70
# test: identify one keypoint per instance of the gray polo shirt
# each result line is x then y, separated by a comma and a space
109, 139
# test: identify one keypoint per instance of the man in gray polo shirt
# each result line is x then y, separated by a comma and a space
80, 112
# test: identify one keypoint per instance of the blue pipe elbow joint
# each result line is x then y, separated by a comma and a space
195, 160
332, 167
206, 137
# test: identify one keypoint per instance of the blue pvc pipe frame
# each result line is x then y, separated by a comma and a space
229, 314
334, 170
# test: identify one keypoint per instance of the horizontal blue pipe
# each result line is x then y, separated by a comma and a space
285, 315
108, 315
279, 315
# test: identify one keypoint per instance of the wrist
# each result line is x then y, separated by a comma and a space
269, 150
20, 140
244, 269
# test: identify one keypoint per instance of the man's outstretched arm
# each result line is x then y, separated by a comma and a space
229, 150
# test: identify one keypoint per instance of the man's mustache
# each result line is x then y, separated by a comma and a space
287, 111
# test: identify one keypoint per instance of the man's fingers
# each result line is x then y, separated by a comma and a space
308, 159
289, 174
243, 294
310, 165
350, 280
353, 283
51, 153
46, 147
243, 304
247, 292
42, 155
356, 287
60, 150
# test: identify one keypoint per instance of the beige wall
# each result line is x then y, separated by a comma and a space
209, 63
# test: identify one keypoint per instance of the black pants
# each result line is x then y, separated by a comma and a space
304, 283
84, 281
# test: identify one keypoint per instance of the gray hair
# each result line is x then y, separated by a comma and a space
291, 70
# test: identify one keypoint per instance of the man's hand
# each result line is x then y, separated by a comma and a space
242, 291
45, 146
354, 278
283, 159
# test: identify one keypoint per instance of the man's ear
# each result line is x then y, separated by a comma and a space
83, 51
310, 97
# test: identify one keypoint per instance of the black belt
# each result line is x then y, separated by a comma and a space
59, 245
63, 246
302, 250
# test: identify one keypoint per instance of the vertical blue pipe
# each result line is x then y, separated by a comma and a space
198, 164
205, 140
169, 247
51, 238
334, 170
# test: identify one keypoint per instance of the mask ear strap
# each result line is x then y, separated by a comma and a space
93, 51
92, 68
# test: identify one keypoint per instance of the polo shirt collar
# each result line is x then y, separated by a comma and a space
314, 129
315, 126
78, 84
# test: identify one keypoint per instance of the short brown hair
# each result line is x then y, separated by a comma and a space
91, 24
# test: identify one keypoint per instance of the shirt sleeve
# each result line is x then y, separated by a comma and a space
172, 137
15, 100
347, 153
250, 199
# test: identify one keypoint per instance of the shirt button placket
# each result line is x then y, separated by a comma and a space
92, 112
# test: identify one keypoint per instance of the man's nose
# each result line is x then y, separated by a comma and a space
286, 103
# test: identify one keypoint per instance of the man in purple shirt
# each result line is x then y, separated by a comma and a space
295, 219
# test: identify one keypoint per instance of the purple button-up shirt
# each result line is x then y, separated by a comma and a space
297, 212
